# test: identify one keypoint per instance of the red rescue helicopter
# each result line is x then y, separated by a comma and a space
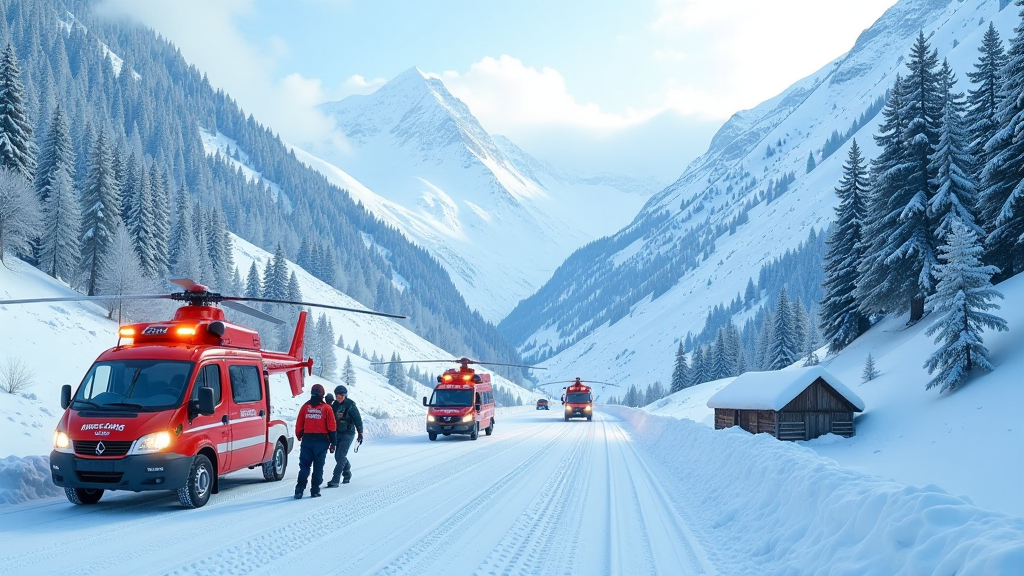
179, 403
462, 401
578, 398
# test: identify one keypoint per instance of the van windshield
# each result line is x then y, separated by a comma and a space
138, 385
452, 398
578, 398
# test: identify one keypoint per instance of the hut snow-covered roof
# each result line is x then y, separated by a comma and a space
773, 390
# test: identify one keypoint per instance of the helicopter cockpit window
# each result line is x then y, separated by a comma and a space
444, 398
134, 385
578, 397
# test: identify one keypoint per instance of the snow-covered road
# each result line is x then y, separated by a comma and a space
540, 496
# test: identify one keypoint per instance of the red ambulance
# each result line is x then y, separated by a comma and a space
462, 403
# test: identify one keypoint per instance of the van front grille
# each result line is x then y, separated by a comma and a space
110, 447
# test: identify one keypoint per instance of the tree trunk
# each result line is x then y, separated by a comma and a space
916, 308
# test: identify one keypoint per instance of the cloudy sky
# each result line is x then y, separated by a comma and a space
633, 86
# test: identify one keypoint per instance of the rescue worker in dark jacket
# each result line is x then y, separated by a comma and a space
350, 423
316, 428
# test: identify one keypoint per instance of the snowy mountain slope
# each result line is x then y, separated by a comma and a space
498, 220
220, 145
76, 333
679, 249
914, 435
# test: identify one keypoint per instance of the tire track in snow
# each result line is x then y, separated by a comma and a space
557, 509
259, 550
416, 558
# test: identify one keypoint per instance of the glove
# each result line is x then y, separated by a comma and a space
332, 448
359, 438
299, 437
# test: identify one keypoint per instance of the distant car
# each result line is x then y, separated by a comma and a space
542, 404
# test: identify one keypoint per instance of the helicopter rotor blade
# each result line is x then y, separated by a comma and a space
415, 362
503, 364
328, 306
185, 283
103, 298
581, 382
238, 307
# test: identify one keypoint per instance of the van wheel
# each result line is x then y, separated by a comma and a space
84, 495
566, 418
476, 431
589, 418
273, 471
432, 436
490, 428
197, 489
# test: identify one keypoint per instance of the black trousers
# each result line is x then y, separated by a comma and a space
313, 453
342, 464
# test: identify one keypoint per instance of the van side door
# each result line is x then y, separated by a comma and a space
248, 417
213, 426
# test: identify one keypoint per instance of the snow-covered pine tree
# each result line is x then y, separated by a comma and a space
784, 349
396, 372
58, 248
655, 392
275, 278
141, 217
749, 295
765, 336
841, 319
325, 336
1001, 201
699, 368
680, 372
17, 150
120, 274
913, 243
721, 357
161, 222
870, 372
956, 192
183, 226
201, 223
20, 215
294, 293
983, 101
100, 211
801, 324
348, 373
811, 164
218, 241
253, 284
961, 304
356, 350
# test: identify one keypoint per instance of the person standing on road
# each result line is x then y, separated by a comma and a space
350, 423
316, 428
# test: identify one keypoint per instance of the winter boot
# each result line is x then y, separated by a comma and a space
345, 478
332, 484
298, 495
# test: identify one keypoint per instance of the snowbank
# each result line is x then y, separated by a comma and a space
387, 427
23, 479
773, 507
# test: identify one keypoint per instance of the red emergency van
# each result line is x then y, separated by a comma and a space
579, 402
174, 407
462, 403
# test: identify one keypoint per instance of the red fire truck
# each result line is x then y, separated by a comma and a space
462, 403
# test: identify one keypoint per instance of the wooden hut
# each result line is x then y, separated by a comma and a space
792, 404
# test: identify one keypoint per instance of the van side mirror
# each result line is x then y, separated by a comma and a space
206, 404
65, 396
477, 407
425, 401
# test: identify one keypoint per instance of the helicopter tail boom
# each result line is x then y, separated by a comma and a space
291, 363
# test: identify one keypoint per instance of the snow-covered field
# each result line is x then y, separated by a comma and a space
969, 442
630, 493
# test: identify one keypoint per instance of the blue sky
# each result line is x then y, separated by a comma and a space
633, 86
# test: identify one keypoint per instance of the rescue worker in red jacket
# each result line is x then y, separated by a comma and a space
316, 428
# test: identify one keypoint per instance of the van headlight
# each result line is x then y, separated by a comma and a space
568, 408
468, 417
430, 418
150, 443
61, 442
586, 408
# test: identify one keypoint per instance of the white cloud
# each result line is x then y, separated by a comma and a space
742, 52
506, 95
208, 37
356, 84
